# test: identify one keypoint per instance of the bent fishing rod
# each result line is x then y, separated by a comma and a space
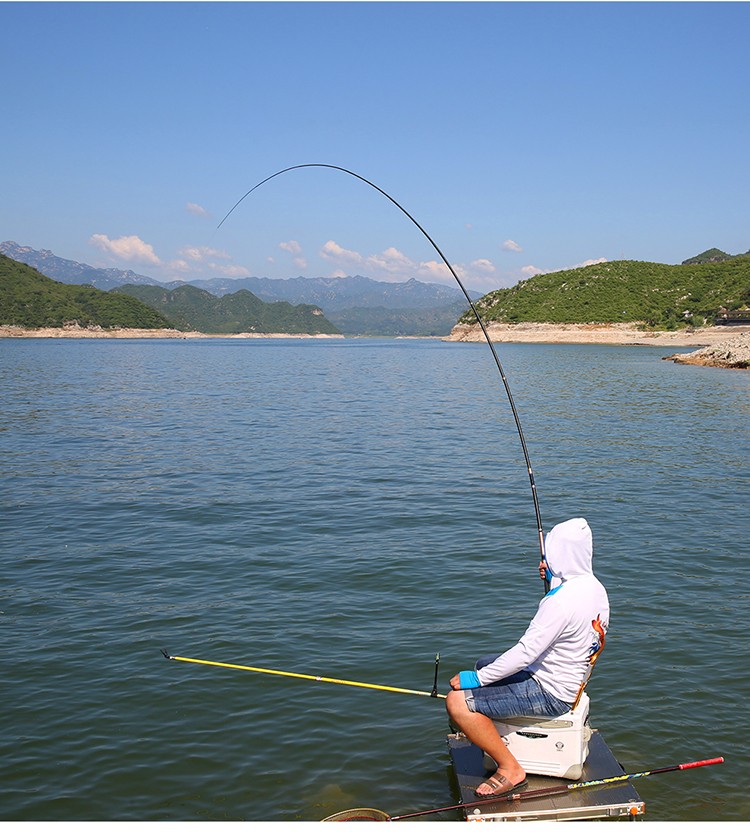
432, 694
481, 323
536, 793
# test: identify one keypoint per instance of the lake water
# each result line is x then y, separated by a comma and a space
349, 509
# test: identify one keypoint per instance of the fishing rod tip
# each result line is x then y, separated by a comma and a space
165, 654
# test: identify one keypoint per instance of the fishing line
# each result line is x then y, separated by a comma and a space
481, 323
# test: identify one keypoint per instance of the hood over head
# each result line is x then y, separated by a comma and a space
569, 549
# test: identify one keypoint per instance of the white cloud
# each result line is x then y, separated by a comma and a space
391, 260
510, 245
394, 265
292, 246
230, 270
484, 265
530, 271
195, 209
201, 254
131, 249
591, 262
189, 262
179, 266
437, 270
202, 260
333, 251
378, 266
295, 249
389, 263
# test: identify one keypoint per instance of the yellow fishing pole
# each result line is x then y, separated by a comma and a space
434, 694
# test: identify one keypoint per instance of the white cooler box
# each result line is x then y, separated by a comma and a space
554, 747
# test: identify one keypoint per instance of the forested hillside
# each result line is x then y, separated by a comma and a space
190, 308
713, 255
29, 299
657, 295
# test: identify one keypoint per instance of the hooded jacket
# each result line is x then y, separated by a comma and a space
560, 639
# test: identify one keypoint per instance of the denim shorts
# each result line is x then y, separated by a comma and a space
516, 695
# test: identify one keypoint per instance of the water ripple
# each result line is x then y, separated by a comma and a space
348, 509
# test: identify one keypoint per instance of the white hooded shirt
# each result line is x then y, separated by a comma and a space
562, 636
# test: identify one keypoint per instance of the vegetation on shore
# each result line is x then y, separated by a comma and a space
31, 300
190, 308
657, 295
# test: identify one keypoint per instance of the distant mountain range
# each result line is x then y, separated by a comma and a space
68, 271
662, 296
32, 300
356, 305
332, 294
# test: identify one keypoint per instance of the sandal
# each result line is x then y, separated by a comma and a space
501, 786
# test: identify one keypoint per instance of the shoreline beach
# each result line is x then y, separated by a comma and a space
7, 331
717, 346
618, 334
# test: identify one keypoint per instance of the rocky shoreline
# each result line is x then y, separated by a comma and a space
732, 354
98, 332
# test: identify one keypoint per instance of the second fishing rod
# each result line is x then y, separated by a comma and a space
433, 694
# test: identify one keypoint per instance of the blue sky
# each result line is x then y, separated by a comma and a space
524, 137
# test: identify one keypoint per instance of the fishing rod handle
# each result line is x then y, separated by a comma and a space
712, 762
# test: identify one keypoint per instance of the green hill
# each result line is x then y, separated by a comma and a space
190, 308
657, 295
29, 299
713, 255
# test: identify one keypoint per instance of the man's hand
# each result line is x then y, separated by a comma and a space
542, 569
455, 682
